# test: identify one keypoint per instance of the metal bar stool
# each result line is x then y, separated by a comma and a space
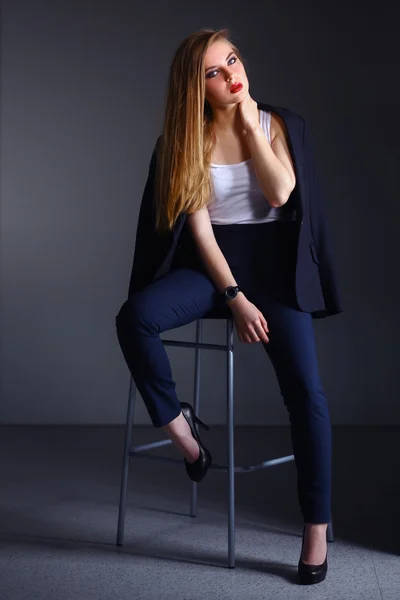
140, 451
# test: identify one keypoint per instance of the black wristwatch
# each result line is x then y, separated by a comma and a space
230, 292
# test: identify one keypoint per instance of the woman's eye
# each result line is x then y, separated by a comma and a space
211, 72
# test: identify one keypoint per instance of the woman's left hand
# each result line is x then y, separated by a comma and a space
249, 113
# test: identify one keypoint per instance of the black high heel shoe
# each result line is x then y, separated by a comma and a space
312, 573
197, 469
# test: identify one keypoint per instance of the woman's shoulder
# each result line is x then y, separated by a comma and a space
277, 124
286, 114
284, 119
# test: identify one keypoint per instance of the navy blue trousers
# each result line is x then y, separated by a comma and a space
261, 257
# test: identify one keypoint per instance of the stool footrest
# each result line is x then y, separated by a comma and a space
202, 345
135, 453
144, 447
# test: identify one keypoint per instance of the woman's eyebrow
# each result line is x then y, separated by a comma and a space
217, 65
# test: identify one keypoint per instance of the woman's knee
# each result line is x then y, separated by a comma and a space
179, 297
132, 313
304, 394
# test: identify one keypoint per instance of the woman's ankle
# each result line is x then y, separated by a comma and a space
316, 530
316, 526
181, 436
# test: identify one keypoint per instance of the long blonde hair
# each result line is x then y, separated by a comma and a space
182, 178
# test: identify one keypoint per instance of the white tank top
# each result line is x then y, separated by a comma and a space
236, 196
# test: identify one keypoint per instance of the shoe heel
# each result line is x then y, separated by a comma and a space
199, 422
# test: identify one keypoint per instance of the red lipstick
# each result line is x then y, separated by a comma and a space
236, 87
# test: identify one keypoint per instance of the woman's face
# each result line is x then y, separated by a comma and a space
225, 71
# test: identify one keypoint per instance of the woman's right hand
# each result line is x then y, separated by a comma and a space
250, 323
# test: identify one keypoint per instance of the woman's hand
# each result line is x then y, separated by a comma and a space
248, 111
250, 323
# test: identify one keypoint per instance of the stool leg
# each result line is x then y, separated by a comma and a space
196, 404
125, 462
231, 457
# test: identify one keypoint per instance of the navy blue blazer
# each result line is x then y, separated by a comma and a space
316, 286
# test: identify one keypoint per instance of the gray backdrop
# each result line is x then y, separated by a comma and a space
82, 94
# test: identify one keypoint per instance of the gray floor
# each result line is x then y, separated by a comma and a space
59, 505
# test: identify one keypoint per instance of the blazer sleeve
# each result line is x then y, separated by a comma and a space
149, 246
320, 228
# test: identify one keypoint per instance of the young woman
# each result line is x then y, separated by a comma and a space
226, 220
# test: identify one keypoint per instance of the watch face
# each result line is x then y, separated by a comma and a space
231, 291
